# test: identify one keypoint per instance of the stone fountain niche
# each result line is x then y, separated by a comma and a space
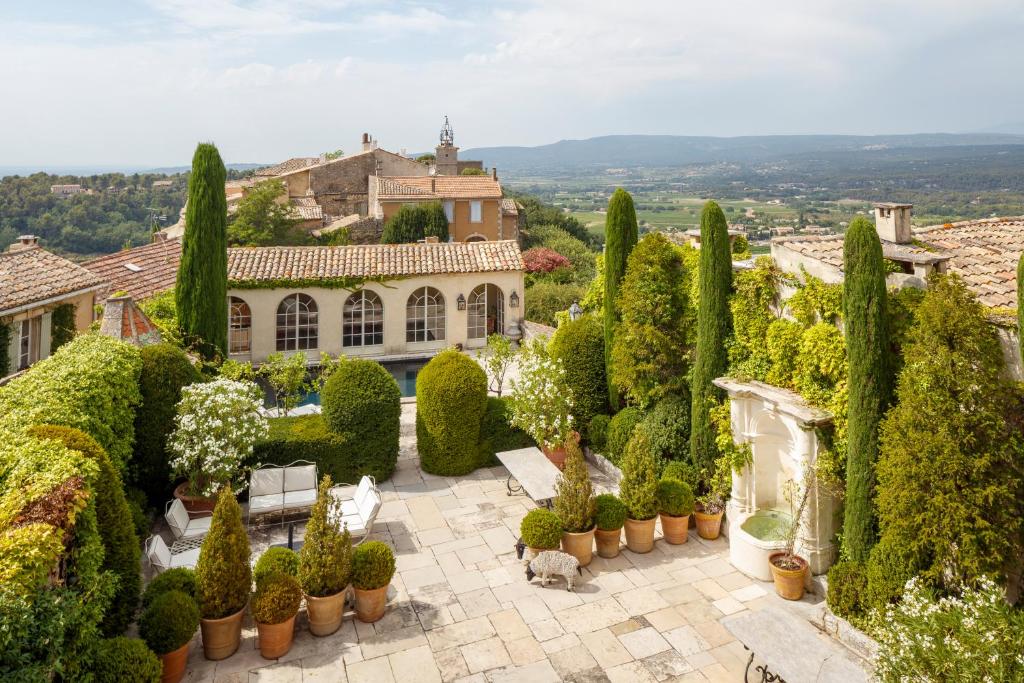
781, 430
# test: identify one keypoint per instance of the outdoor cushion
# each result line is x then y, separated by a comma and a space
200, 526
189, 558
300, 478
265, 482
273, 501
356, 525
349, 507
305, 498
177, 518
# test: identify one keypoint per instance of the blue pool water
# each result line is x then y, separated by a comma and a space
404, 373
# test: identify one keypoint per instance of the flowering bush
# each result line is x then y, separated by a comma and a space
543, 260
974, 637
215, 429
541, 401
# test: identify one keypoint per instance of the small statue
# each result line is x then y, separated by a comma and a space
552, 562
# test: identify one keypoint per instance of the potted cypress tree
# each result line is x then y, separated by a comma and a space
325, 564
638, 490
789, 570
167, 625
675, 504
373, 565
274, 606
609, 516
223, 579
575, 505
541, 529
711, 506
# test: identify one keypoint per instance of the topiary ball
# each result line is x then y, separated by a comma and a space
277, 598
373, 565
675, 497
125, 659
620, 431
610, 512
169, 622
178, 579
597, 432
276, 560
683, 471
542, 529
451, 397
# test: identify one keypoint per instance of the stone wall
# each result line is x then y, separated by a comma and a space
341, 187
367, 231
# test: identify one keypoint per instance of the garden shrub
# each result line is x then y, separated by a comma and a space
223, 574
667, 427
181, 579
544, 260
373, 565
362, 402
169, 622
325, 559
574, 249
120, 544
887, 571
675, 497
683, 471
497, 434
138, 508
275, 561
545, 299
277, 598
451, 397
638, 487
541, 403
542, 529
579, 345
609, 512
620, 431
125, 659
165, 370
847, 589
597, 432
574, 501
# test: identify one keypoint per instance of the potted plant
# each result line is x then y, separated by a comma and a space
223, 579
675, 504
373, 565
574, 506
176, 579
274, 606
541, 529
711, 505
167, 626
541, 403
216, 426
639, 491
789, 570
325, 564
609, 516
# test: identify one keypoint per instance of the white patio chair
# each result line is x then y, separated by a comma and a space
266, 491
184, 525
180, 554
359, 511
284, 489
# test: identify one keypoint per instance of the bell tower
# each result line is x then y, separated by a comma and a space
446, 153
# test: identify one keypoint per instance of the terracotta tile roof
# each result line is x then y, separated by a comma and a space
33, 274
509, 207
290, 166
438, 186
124, 320
141, 272
254, 264
307, 209
983, 252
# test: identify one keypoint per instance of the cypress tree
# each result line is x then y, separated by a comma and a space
870, 386
620, 236
713, 327
201, 295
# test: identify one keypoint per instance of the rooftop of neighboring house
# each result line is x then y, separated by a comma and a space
398, 188
31, 275
509, 207
140, 272
289, 166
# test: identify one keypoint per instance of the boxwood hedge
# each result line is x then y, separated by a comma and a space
363, 404
451, 398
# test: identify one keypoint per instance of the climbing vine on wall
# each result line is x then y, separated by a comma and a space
62, 326
5, 344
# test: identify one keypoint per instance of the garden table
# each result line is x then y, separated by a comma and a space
533, 472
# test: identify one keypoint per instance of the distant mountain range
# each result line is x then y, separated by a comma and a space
82, 171
626, 151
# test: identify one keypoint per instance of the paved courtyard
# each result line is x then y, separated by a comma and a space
460, 608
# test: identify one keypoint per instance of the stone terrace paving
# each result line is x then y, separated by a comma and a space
460, 609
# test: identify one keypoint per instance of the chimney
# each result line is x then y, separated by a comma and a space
494, 172
431, 239
892, 221
367, 143
24, 242
159, 236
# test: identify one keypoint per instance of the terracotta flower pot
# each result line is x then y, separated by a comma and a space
675, 529
608, 542
276, 639
174, 663
370, 604
789, 583
640, 534
194, 503
325, 614
579, 545
221, 636
557, 455
709, 526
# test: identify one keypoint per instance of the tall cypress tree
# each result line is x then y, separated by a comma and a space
201, 294
870, 382
620, 236
713, 327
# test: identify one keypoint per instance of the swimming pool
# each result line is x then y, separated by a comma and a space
404, 372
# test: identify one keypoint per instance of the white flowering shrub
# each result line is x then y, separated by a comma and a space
216, 427
975, 637
541, 403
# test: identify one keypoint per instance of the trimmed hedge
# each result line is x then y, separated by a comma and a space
597, 432
847, 589
497, 435
451, 398
306, 437
620, 431
165, 370
668, 427
363, 404
579, 344
126, 659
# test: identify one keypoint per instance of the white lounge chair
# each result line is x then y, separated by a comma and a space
184, 525
180, 554
291, 488
359, 507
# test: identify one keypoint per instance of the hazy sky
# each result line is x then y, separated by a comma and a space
104, 82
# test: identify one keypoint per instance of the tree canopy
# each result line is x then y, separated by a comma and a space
262, 219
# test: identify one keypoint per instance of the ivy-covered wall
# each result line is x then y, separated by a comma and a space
5, 345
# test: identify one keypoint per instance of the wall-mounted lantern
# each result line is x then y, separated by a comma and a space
461, 302
513, 299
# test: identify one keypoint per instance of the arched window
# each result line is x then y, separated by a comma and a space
362, 322
424, 316
486, 312
239, 326
476, 237
296, 323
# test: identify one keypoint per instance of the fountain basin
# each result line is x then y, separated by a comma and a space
752, 538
